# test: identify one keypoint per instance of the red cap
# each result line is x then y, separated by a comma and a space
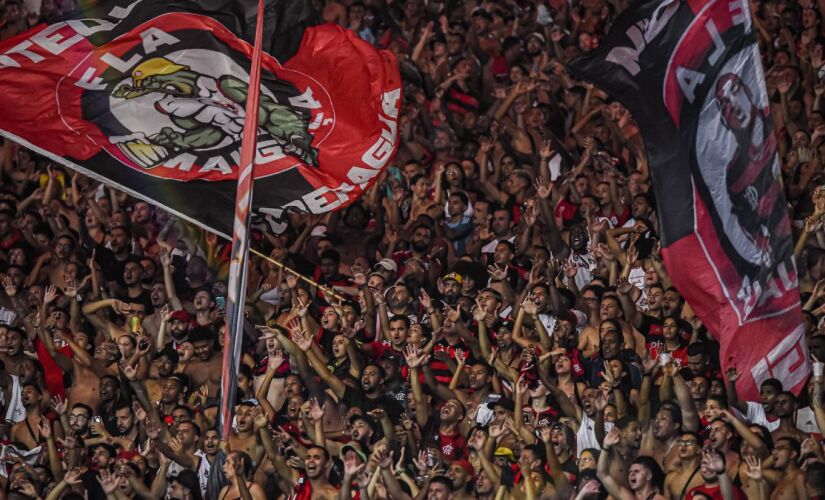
180, 315
467, 466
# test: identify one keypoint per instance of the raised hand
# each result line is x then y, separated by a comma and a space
453, 313
59, 405
732, 374
543, 188
479, 311
425, 300
497, 273
529, 306
165, 257
108, 481
754, 470
72, 477
140, 413
612, 438
9, 287
352, 467
45, 428
461, 359
300, 307
316, 410
130, 372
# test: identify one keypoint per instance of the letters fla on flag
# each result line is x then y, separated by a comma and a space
149, 95
691, 75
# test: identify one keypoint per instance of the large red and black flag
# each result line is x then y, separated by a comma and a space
690, 73
149, 95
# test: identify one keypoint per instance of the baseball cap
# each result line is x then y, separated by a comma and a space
387, 265
355, 447
453, 276
189, 480
505, 452
537, 35
180, 315
467, 466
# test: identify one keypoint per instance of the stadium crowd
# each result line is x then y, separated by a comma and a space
494, 319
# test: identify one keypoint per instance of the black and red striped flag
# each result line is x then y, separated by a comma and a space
691, 75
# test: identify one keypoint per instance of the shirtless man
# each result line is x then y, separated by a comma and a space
51, 264
205, 368
621, 446
784, 407
315, 463
27, 431
644, 477
686, 475
720, 439
108, 328
246, 438
788, 479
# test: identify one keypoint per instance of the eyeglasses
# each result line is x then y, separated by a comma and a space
77, 417
686, 442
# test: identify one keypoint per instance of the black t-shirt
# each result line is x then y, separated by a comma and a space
356, 398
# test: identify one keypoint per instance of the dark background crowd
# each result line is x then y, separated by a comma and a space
493, 319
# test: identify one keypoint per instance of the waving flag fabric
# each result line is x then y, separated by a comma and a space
691, 75
149, 95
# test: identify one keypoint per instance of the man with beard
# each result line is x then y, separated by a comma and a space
369, 396
184, 486
205, 367
112, 260
420, 243
686, 475
111, 396
158, 298
451, 288
715, 479
621, 446
644, 477
80, 416
27, 431
399, 301
362, 430
177, 325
